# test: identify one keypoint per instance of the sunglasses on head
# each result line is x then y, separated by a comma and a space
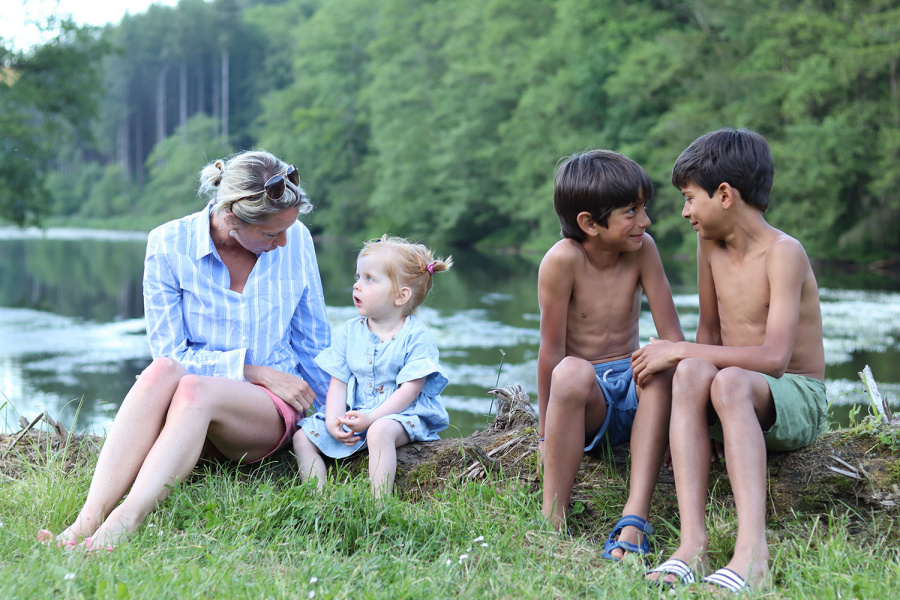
275, 186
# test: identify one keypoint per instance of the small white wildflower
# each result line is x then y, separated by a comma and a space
469, 549
69, 576
463, 557
480, 538
152, 525
312, 594
449, 562
484, 545
314, 580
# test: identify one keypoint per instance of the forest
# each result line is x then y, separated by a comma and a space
443, 120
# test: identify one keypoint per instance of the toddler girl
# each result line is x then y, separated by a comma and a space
385, 377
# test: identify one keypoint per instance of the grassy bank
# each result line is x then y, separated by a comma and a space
231, 533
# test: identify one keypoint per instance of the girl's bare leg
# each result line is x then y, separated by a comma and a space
132, 434
576, 408
238, 417
691, 455
309, 460
383, 438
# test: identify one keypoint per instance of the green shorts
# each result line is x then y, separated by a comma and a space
800, 407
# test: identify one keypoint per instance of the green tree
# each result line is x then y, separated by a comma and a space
48, 94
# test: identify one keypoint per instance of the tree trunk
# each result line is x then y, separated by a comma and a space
225, 69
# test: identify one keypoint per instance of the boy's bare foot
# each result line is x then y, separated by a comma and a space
629, 535
697, 565
738, 575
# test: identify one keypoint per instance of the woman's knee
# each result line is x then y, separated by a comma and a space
191, 394
162, 371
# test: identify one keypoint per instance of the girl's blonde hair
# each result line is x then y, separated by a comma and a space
408, 265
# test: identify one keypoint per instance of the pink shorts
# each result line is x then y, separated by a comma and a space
288, 413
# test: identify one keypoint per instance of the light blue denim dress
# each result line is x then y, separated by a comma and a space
373, 370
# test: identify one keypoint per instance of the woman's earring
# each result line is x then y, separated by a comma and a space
233, 233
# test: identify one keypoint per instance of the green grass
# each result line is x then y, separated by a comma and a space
254, 534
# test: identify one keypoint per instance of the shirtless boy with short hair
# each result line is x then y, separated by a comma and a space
589, 288
754, 379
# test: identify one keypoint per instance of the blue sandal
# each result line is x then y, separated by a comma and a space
613, 541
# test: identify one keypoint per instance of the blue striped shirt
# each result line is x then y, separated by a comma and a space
278, 321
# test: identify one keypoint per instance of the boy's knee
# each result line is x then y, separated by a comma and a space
731, 385
572, 380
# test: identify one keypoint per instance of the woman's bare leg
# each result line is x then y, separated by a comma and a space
133, 432
383, 439
238, 417
309, 460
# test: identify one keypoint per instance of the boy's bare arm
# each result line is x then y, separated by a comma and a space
786, 267
556, 280
659, 293
708, 329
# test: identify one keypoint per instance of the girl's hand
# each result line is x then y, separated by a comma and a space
357, 421
338, 432
293, 390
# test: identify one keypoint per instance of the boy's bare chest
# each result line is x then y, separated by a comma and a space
742, 292
611, 294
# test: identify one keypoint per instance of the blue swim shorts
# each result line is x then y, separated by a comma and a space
617, 384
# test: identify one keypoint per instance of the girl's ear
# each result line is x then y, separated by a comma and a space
402, 296
586, 222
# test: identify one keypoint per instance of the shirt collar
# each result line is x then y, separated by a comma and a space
202, 236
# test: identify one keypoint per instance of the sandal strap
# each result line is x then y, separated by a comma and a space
633, 521
676, 567
727, 579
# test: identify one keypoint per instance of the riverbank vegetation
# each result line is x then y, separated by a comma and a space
444, 119
448, 532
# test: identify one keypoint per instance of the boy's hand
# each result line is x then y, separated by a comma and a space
338, 431
656, 356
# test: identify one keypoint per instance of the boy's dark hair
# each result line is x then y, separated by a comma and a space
597, 181
739, 157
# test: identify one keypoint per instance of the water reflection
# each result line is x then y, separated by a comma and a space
72, 329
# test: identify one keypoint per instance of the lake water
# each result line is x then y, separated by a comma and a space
72, 335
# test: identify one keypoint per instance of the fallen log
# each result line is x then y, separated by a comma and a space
856, 467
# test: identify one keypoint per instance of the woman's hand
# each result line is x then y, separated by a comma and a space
341, 432
293, 390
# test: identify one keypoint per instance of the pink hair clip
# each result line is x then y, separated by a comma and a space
430, 268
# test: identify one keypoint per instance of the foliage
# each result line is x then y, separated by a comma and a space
445, 119
46, 96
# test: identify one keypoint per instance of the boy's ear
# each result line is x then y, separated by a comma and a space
402, 296
587, 223
726, 194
